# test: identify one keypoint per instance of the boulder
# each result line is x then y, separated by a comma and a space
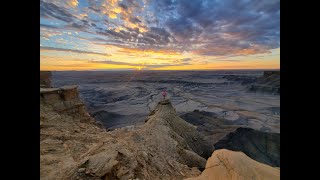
230, 165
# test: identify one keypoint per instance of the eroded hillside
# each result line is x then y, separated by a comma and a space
73, 146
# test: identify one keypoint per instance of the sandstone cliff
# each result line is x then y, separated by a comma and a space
74, 146
66, 132
230, 165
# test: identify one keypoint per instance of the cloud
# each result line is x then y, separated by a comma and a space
186, 59
223, 24
50, 10
135, 20
137, 64
227, 60
166, 65
43, 48
48, 26
72, 3
114, 63
203, 27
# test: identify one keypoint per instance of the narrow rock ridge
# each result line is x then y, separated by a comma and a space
194, 140
74, 146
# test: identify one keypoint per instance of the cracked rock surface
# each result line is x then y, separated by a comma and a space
74, 146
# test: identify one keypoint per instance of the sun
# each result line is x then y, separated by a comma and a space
139, 68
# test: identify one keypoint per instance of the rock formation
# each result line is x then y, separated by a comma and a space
45, 79
269, 82
260, 146
74, 146
210, 125
223, 134
229, 165
113, 99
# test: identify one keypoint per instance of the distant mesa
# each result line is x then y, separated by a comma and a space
269, 73
269, 82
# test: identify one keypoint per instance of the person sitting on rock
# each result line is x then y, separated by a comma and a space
164, 94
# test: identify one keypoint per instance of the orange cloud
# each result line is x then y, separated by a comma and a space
73, 3
164, 59
62, 64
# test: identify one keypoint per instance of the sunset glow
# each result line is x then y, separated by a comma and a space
159, 35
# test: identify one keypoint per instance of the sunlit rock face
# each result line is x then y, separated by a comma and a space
74, 146
230, 165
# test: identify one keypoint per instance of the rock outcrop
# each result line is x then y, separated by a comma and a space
74, 146
229, 165
260, 146
63, 101
212, 127
45, 79
269, 82
192, 139
66, 132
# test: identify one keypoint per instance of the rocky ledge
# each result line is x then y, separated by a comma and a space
225, 164
74, 146
63, 101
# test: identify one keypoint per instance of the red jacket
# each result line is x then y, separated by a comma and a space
164, 93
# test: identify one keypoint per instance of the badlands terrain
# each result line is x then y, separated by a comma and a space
120, 99
115, 125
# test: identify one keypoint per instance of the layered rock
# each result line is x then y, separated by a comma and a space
62, 101
229, 165
260, 146
74, 146
192, 139
45, 79
211, 126
223, 134
269, 82
66, 131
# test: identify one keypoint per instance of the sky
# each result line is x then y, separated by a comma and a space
159, 34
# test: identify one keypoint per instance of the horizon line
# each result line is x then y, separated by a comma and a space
278, 69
